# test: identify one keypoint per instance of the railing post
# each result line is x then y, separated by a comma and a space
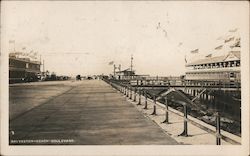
218, 135
127, 91
130, 97
139, 103
185, 132
166, 104
146, 101
154, 107
135, 94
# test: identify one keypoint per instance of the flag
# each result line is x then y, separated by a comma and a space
219, 47
195, 51
210, 55
158, 26
230, 39
236, 44
111, 63
35, 53
180, 44
233, 30
30, 53
165, 32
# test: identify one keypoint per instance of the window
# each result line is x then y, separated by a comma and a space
232, 75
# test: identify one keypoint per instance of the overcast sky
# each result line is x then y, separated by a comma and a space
83, 37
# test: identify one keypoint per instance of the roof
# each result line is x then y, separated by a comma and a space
126, 70
236, 53
215, 59
25, 60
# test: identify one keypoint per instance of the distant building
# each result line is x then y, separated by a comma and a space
224, 67
23, 69
126, 74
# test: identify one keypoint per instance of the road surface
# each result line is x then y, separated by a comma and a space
87, 112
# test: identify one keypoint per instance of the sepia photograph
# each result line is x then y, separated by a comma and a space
124, 78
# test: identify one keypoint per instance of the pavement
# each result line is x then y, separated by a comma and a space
26, 96
199, 132
88, 112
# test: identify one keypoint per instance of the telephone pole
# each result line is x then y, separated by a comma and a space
114, 70
43, 67
131, 65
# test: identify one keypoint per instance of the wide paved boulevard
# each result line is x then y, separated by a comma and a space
87, 112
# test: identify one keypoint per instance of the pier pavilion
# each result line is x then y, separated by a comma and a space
219, 68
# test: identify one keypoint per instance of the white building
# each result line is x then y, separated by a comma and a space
224, 67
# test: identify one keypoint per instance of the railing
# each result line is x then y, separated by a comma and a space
234, 85
128, 90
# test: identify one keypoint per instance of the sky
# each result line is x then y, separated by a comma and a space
82, 37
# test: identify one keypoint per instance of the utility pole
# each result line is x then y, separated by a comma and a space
131, 67
114, 70
43, 67
40, 62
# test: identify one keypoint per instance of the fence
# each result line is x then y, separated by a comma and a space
129, 90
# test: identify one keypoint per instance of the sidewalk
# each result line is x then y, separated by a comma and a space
198, 131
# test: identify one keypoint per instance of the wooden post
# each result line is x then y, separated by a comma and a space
135, 94
154, 107
146, 102
139, 103
185, 131
218, 134
130, 97
166, 104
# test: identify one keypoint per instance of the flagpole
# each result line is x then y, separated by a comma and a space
43, 67
114, 70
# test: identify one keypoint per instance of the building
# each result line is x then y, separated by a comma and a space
23, 69
223, 64
126, 74
220, 68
